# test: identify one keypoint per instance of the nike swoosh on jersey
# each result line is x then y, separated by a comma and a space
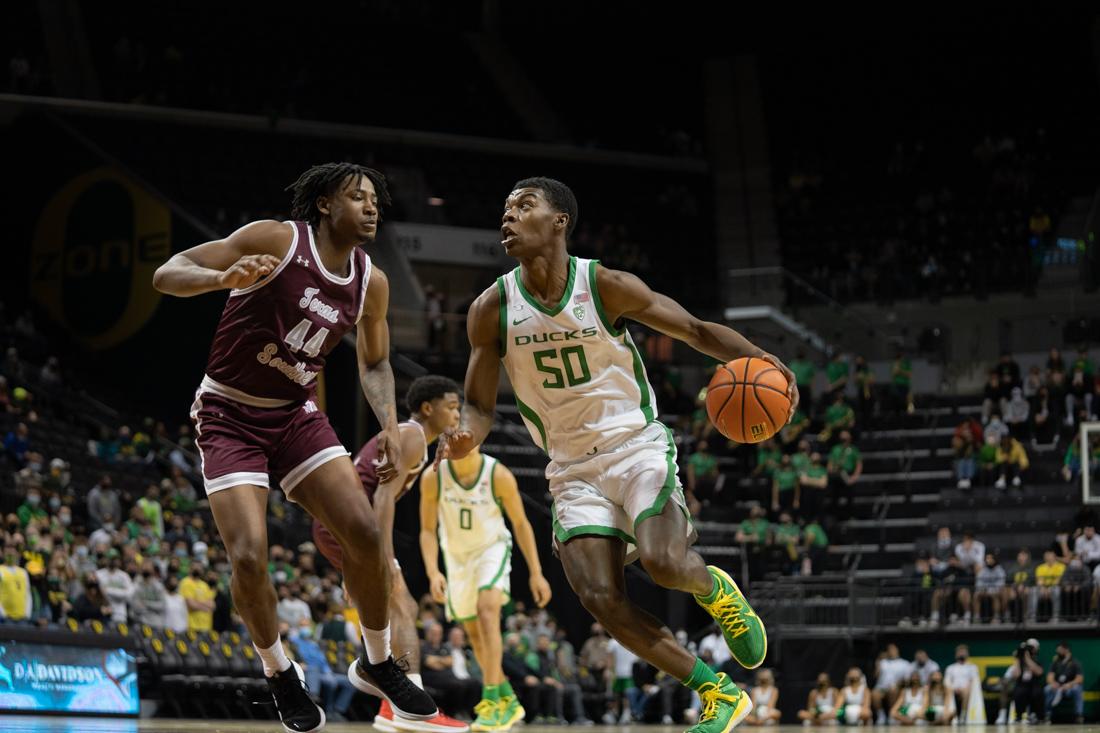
516, 323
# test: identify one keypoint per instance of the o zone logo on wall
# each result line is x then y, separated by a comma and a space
96, 246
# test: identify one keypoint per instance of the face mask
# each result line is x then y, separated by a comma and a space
305, 632
82, 551
55, 503
65, 519
961, 658
196, 573
34, 499
109, 527
147, 573
181, 552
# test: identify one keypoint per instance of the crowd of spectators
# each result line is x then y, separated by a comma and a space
1041, 410
967, 583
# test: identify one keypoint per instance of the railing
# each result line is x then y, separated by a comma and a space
857, 603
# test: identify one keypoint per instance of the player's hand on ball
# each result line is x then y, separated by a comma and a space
540, 590
389, 455
437, 585
792, 384
247, 270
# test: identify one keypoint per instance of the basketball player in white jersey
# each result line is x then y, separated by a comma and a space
557, 323
464, 500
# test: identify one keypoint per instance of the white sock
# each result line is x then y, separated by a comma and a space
414, 677
377, 643
274, 658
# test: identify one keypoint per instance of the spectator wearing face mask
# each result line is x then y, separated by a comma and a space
117, 587
1074, 584
91, 605
104, 536
989, 584
200, 600
16, 600
147, 606
959, 678
1016, 411
1065, 680
1012, 462
31, 508
102, 501
176, 614
1087, 546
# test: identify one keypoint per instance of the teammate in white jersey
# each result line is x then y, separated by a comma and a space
465, 500
558, 325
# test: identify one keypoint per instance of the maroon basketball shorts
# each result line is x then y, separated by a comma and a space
243, 444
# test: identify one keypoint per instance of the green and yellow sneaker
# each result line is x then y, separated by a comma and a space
509, 712
488, 715
724, 706
743, 629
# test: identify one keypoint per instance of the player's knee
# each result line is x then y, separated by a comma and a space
602, 600
359, 533
488, 607
662, 564
249, 564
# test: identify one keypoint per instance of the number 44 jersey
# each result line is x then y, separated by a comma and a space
273, 336
579, 382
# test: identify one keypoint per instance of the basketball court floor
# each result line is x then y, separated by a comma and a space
21, 724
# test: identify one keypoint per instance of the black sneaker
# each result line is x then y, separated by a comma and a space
297, 710
388, 681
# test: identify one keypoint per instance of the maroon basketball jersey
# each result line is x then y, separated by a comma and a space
273, 336
364, 464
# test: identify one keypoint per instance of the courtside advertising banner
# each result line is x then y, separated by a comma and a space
67, 679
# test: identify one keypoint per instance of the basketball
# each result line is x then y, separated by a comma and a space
747, 400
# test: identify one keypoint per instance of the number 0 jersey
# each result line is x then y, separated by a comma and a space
470, 519
579, 382
274, 335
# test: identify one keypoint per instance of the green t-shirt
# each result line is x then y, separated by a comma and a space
804, 371
757, 528
800, 461
835, 370
844, 457
767, 459
1084, 365
902, 371
154, 514
786, 477
26, 513
988, 454
838, 414
787, 534
816, 535
703, 463
813, 471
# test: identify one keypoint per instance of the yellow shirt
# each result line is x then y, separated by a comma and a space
198, 590
15, 592
1015, 454
1049, 575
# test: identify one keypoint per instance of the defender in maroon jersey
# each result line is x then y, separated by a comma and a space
433, 404
295, 289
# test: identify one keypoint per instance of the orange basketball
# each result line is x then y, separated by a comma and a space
747, 400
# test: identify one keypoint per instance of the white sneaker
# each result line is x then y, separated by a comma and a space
1000, 483
1016, 481
666, 720
964, 483
1002, 717
609, 718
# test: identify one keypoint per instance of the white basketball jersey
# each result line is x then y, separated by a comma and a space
470, 517
579, 382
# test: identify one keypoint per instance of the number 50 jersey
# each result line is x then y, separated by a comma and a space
580, 385
273, 336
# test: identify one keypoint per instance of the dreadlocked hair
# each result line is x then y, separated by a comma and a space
326, 180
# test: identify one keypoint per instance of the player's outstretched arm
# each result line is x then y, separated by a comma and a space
506, 491
429, 542
482, 376
372, 347
238, 261
387, 494
624, 295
